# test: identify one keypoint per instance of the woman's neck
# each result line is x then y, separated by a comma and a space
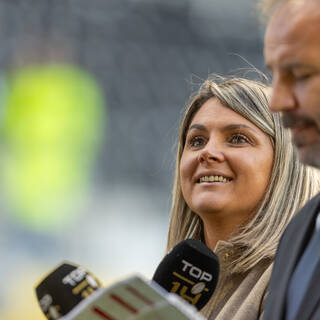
215, 229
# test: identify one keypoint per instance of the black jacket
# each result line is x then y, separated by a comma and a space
291, 247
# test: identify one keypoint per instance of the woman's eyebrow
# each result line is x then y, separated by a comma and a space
197, 126
225, 128
237, 126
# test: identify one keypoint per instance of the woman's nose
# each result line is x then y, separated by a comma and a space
211, 154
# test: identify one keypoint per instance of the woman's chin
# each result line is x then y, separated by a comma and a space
207, 210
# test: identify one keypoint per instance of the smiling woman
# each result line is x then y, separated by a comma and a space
238, 182
225, 169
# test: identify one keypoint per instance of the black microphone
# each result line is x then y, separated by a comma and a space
70, 292
190, 270
63, 289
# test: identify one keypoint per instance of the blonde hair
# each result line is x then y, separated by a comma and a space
291, 183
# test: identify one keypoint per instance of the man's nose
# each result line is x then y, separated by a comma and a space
282, 96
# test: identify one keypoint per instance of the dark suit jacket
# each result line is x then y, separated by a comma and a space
291, 247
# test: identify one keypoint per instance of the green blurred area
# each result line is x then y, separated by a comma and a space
51, 129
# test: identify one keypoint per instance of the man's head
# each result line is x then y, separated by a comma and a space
267, 7
292, 53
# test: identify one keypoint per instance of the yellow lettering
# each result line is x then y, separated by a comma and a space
175, 287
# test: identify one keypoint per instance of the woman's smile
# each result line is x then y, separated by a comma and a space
211, 179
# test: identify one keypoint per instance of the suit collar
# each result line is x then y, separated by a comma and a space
311, 298
296, 237
305, 223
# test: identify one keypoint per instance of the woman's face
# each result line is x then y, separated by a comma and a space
225, 165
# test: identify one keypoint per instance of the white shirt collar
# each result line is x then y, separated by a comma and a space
318, 222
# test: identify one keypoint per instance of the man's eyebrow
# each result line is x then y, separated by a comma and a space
292, 65
296, 65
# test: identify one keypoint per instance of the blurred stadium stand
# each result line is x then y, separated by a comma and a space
148, 56
144, 53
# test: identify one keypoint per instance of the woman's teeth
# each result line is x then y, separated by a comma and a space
214, 179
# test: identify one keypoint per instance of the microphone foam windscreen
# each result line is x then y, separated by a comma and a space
191, 270
63, 289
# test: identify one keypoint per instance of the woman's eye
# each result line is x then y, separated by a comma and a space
196, 142
239, 139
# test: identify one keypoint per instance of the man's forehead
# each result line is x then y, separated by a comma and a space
268, 7
293, 23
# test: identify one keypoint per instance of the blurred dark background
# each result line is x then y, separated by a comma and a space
143, 58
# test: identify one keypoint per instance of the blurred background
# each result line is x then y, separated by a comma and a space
91, 94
